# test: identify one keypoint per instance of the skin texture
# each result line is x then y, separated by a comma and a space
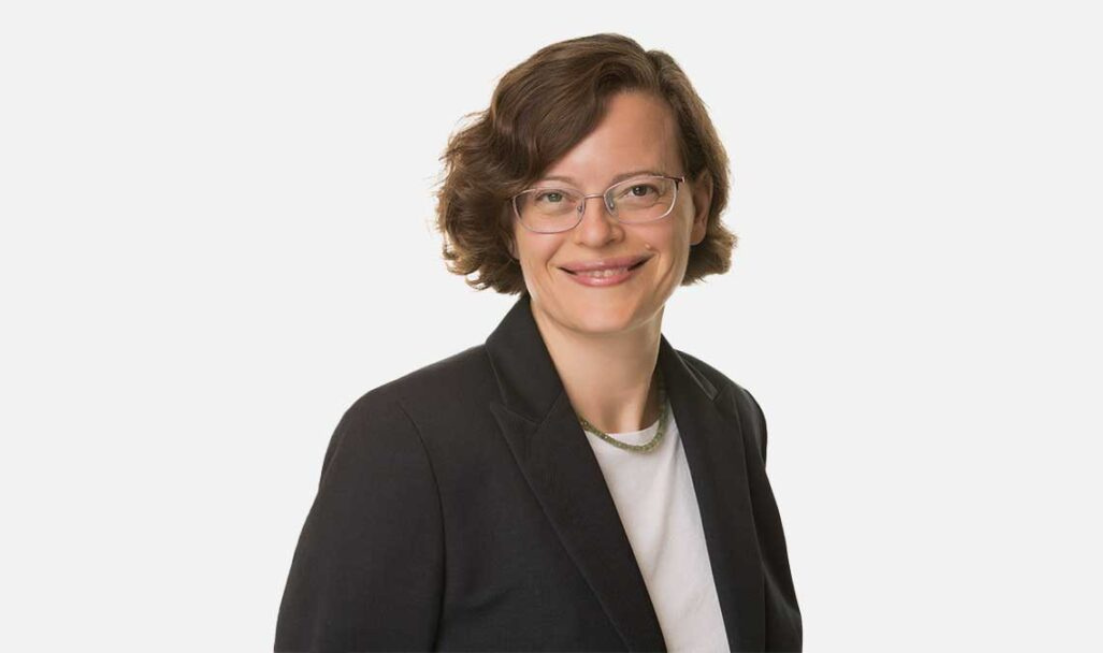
605, 341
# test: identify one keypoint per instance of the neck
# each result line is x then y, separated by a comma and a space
609, 378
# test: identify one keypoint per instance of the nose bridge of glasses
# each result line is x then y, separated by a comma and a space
605, 203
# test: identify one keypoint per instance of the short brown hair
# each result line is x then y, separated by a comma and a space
539, 111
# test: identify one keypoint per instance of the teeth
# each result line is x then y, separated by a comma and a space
605, 273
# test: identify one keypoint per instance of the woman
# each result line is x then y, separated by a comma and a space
575, 483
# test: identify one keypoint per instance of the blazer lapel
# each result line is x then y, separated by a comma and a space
543, 432
710, 429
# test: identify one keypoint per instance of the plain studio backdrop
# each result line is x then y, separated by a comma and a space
217, 234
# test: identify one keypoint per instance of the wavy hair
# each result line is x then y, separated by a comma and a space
538, 112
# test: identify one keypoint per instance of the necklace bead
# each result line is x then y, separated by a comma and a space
641, 448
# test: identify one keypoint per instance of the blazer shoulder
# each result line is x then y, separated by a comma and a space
449, 386
750, 414
434, 379
715, 376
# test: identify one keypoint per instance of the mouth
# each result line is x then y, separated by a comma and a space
608, 272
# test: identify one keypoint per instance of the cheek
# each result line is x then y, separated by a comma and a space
670, 240
535, 253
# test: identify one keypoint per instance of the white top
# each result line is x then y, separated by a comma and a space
654, 496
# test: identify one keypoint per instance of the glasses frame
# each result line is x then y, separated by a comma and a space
581, 210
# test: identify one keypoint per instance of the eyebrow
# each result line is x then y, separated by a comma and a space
621, 177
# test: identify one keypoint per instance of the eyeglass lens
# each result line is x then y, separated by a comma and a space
641, 199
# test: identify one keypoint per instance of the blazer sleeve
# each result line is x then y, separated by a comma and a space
367, 573
784, 625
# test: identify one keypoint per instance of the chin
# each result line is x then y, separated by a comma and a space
607, 320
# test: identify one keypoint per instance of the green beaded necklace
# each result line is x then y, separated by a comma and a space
642, 448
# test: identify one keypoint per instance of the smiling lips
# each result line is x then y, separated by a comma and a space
616, 264
607, 272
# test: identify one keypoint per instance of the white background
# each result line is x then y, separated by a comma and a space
216, 234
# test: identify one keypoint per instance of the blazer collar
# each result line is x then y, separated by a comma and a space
543, 432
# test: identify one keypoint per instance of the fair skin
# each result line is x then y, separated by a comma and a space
604, 341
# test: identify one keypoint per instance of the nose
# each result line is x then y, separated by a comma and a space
598, 226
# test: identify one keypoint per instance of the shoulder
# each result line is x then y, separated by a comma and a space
751, 418
418, 403
718, 379
442, 382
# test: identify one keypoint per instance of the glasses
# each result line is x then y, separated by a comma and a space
641, 199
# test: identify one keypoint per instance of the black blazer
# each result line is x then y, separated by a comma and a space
461, 508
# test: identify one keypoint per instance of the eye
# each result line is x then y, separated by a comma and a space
552, 196
641, 190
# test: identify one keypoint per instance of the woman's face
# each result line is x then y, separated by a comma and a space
638, 133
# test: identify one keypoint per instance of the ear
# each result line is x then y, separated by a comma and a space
702, 201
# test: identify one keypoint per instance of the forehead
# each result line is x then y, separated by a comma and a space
638, 132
